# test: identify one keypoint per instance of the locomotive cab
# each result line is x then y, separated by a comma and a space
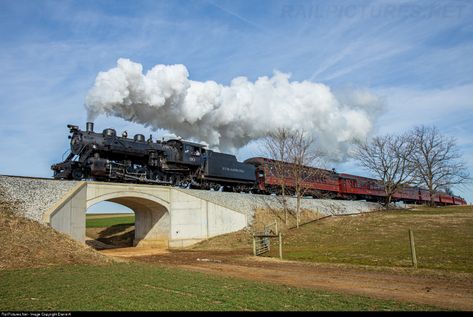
193, 154
189, 152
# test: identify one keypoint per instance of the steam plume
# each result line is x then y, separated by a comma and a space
229, 117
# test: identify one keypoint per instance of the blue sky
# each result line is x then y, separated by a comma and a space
416, 55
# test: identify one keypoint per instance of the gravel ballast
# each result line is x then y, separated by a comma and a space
33, 196
248, 203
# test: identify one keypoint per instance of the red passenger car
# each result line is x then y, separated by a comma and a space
323, 183
316, 180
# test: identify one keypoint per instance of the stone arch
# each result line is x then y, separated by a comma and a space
152, 218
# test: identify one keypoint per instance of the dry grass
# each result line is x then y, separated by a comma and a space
27, 243
243, 239
265, 217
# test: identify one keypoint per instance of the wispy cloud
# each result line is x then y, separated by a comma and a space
238, 16
414, 54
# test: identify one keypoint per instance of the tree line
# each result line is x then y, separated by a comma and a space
420, 157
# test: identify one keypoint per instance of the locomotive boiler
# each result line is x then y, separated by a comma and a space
107, 156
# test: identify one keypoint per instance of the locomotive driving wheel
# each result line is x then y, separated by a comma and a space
77, 173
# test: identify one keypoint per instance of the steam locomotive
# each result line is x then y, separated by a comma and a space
109, 157
105, 156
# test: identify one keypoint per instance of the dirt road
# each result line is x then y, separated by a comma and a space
441, 289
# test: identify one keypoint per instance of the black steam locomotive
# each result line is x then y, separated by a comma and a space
108, 157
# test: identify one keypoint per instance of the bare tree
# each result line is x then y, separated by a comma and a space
387, 157
276, 146
293, 154
302, 156
436, 160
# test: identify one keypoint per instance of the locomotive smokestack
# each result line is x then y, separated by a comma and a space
90, 127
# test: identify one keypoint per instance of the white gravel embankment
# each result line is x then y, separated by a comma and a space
247, 203
33, 196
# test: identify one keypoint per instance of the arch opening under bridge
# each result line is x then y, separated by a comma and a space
152, 219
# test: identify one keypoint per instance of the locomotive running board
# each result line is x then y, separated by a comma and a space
146, 180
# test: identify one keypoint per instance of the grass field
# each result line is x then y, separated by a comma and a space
443, 239
108, 220
144, 287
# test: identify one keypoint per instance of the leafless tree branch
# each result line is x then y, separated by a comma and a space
387, 157
436, 160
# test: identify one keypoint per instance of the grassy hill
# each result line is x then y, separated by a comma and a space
443, 239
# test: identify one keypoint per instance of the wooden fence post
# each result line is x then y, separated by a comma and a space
280, 245
413, 248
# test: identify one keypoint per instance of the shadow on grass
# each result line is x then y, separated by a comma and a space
116, 236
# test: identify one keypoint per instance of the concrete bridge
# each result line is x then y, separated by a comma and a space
165, 217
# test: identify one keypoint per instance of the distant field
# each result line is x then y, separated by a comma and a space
108, 220
102, 216
141, 287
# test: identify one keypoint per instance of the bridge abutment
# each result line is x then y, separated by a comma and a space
165, 217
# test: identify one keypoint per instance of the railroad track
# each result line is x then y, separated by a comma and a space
27, 177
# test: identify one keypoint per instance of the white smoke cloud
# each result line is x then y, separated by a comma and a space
229, 117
